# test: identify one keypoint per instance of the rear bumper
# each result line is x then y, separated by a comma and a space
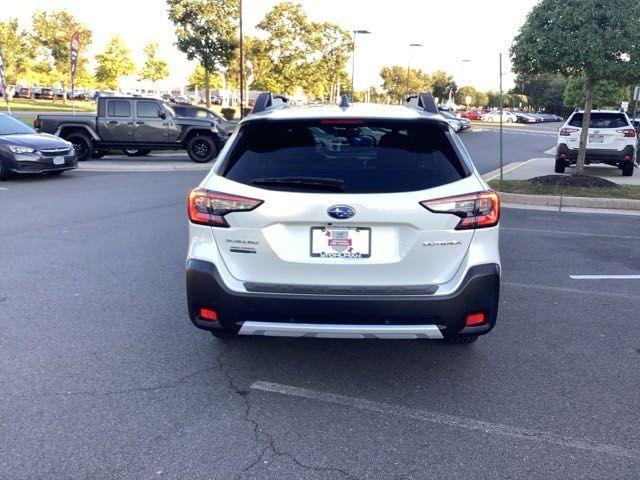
611, 157
350, 316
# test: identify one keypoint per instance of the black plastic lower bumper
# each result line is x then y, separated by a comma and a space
610, 157
35, 167
478, 293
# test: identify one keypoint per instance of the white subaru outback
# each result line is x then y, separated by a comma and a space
350, 221
611, 140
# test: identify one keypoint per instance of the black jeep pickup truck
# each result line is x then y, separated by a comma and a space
136, 125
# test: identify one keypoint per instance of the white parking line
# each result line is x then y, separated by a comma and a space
449, 420
564, 232
605, 277
549, 288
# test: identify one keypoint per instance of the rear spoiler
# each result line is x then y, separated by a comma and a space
421, 101
270, 101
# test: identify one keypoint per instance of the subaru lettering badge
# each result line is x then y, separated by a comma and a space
341, 212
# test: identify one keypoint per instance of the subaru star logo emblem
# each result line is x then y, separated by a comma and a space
341, 212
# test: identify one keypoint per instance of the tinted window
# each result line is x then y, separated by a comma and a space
118, 108
9, 125
601, 120
367, 157
147, 109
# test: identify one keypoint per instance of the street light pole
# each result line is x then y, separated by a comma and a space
353, 56
406, 88
241, 66
501, 106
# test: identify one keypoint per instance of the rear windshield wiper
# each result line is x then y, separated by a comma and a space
329, 184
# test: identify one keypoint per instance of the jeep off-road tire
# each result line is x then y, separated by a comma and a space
82, 144
201, 149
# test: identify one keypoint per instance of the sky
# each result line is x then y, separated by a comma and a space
476, 31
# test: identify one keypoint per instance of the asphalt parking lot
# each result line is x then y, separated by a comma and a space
103, 376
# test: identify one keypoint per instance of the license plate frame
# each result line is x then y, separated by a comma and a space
343, 243
596, 138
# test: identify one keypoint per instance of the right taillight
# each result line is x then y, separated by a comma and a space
627, 132
476, 210
566, 132
209, 208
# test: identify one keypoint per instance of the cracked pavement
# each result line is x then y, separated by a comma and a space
102, 376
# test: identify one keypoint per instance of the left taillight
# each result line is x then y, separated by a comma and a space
206, 207
476, 210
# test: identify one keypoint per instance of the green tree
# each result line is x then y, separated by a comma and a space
606, 94
482, 99
51, 37
441, 84
395, 82
113, 62
16, 51
206, 31
154, 68
288, 46
544, 91
463, 93
196, 79
602, 45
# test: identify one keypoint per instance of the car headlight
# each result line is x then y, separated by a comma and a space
21, 149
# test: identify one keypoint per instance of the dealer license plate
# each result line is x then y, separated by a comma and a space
340, 242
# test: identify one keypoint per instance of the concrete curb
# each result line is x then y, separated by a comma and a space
563, 202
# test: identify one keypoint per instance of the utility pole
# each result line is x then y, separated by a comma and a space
241, 67
500, 106
406, 88
353, 57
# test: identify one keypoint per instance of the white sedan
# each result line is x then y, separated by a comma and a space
494, 116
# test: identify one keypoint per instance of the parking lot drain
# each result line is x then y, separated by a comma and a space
449, 420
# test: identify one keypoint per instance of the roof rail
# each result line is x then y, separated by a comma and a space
421, 101
269, 101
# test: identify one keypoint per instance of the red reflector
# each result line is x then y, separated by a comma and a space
208, 314
627, 157
474, 319
563, 155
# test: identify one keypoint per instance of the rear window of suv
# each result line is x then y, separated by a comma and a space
355, 156
601, 120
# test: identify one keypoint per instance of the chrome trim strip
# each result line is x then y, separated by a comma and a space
319, 330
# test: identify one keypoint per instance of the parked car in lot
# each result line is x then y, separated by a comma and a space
549, 117
23, 92
225, 126
472, 114
523, 117
612, 140
494, 116
310, 225
134, 124
459, 124
24, 151
46, 93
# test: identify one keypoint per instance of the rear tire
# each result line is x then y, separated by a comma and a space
82, 144
627, 169
461, 339
560, 165
201, 149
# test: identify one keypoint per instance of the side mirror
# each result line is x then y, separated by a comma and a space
162, 115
